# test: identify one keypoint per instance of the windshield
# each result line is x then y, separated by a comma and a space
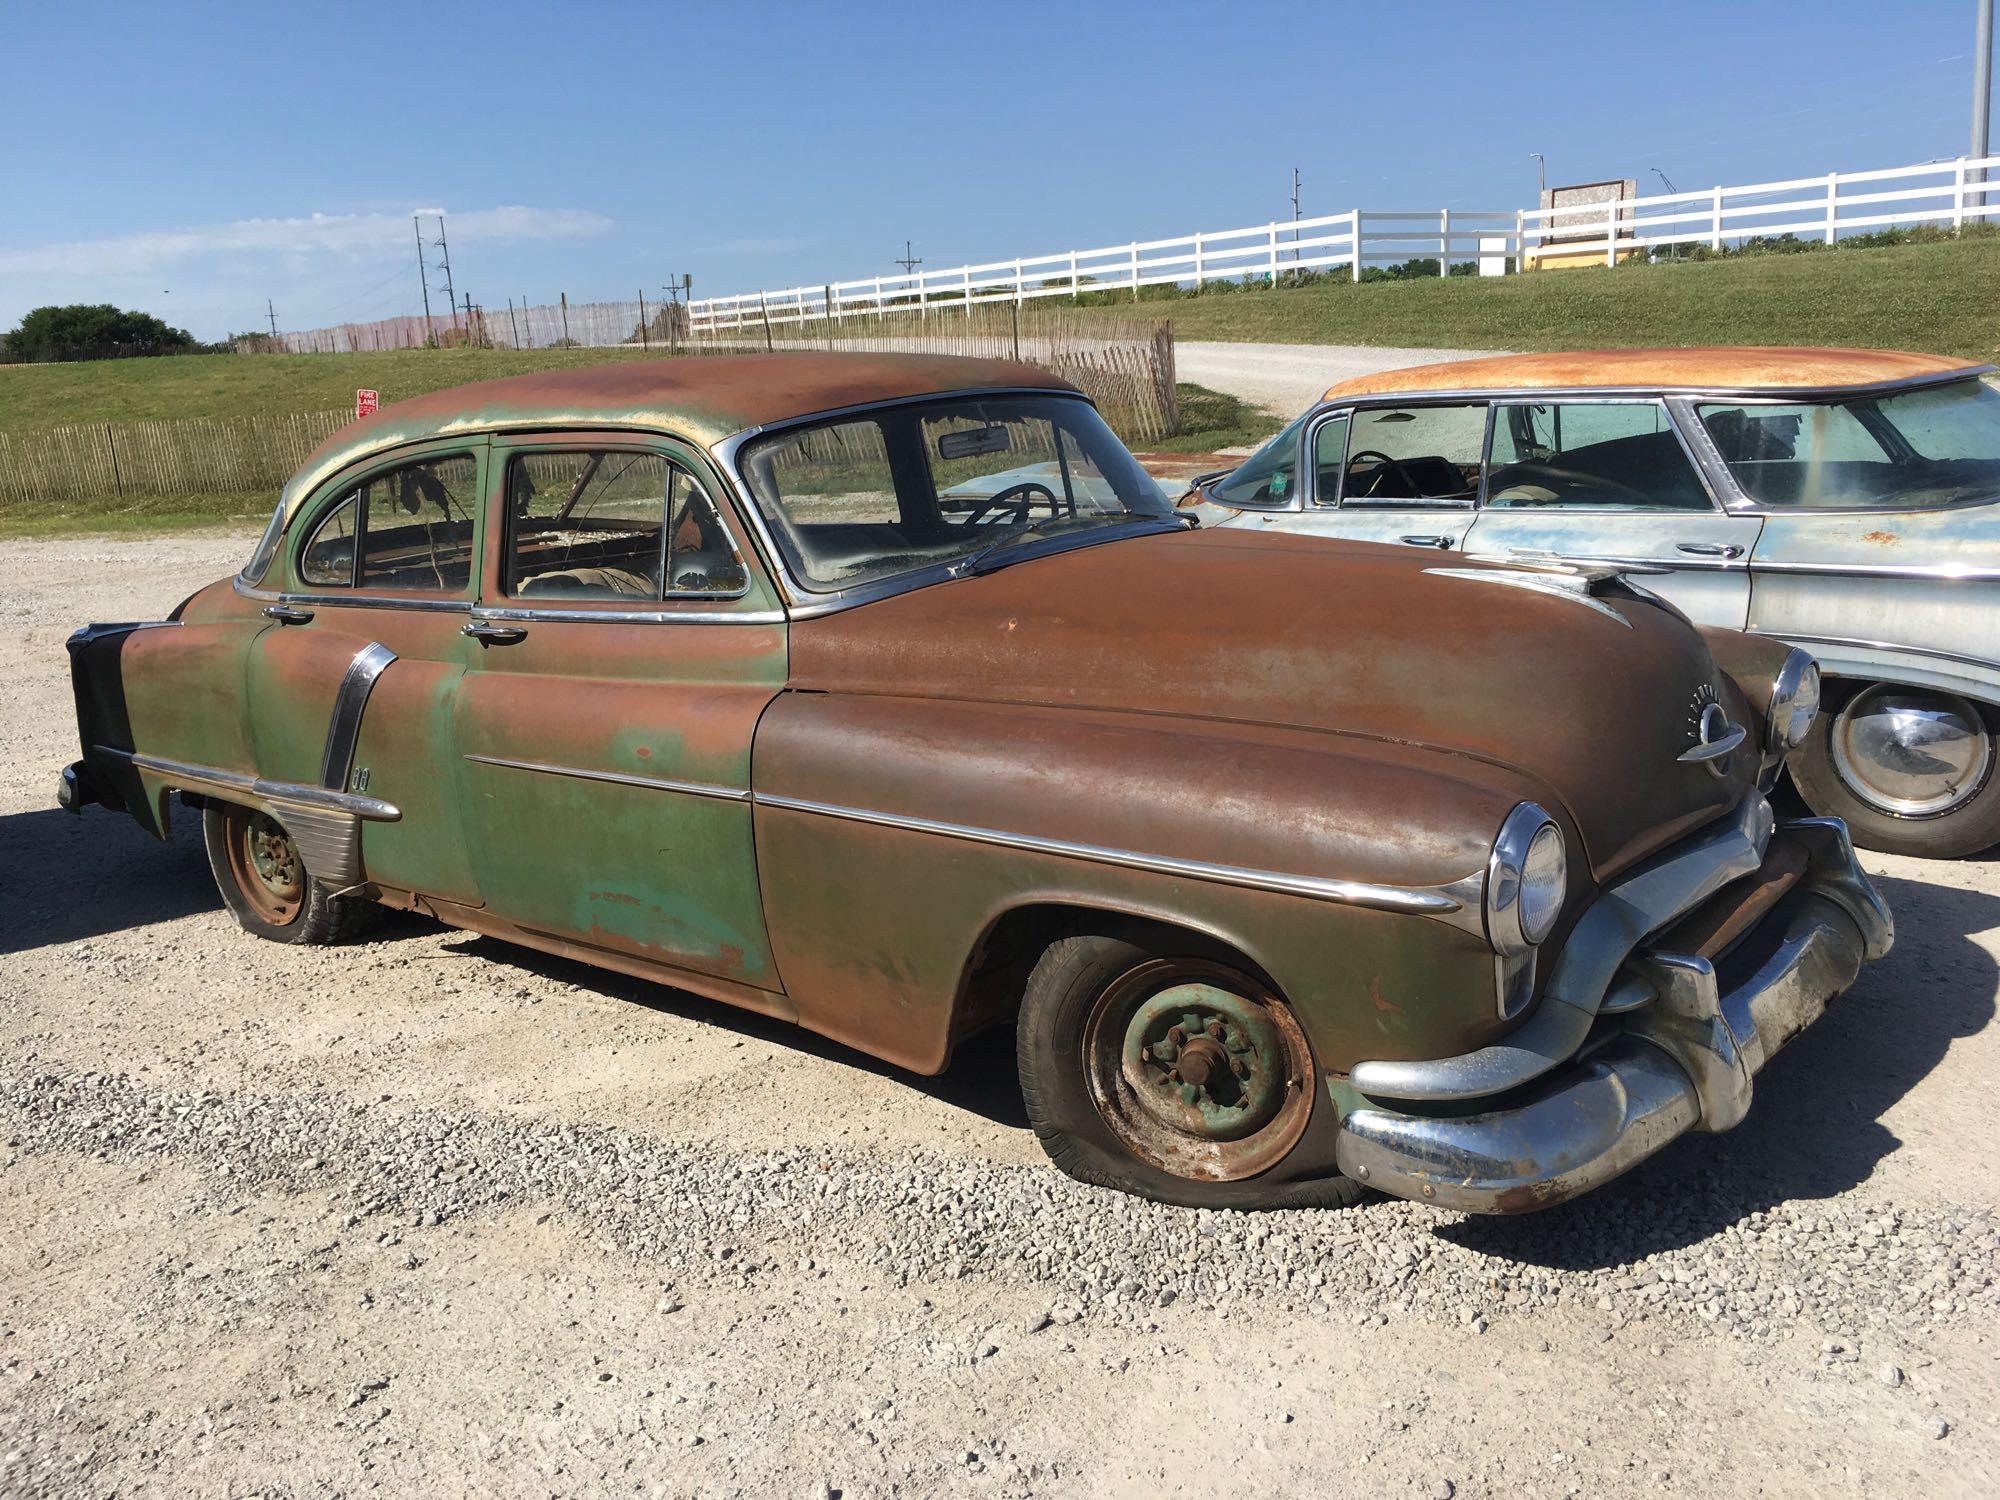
1936, 445
913, 486
1266, 477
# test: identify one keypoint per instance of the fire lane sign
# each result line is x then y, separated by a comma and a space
365, 403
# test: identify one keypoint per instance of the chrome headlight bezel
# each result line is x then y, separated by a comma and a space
1525, 837
1795, 700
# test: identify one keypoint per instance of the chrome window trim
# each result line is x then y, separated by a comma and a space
1699, 392
506, 449
1673, 424
651, 783
1306, 495
350, 701
352, 601
1354, 405
803, 603
333, 490
1424, 901
662, 616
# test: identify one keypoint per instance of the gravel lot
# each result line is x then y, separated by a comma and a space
432, 1214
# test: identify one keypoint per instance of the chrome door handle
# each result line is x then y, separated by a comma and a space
492, 633
1442, 543
1725, 550
286, 614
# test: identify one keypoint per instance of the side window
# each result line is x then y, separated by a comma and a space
406, 529
1596, 455
1414, 453
1268, 476
1329, 458
613, 524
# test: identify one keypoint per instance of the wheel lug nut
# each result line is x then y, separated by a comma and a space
1176, 1036
1215, 1030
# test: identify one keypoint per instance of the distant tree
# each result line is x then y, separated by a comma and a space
83, 331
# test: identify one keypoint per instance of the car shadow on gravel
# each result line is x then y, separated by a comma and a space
981, 1080
1815, 1125
66, 877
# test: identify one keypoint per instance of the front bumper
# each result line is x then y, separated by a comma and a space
1672, 1046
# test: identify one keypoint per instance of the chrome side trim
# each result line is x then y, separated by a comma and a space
660, 616
1428, 902
350, 700
1944, 572
239, 783
1854, 643
1681, 564
651, 783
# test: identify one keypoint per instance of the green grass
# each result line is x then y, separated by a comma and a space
227, 385
1936, 298
1211, 420
133, 514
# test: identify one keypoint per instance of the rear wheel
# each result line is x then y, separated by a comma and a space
266, 885
1911, 770
1158, 1066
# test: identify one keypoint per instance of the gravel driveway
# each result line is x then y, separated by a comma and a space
1287, 378
432, 1214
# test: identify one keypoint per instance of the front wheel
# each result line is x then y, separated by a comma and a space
266, 885
1158, 1066
1911, 770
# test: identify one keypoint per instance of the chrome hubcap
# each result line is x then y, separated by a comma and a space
1909, 752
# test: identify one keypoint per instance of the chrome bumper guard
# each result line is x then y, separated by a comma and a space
1679, 1059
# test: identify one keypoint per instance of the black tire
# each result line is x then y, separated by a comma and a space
296, 906
1054, 1042
1969, 828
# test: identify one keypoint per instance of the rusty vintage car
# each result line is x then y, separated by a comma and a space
1843, 500
888, 695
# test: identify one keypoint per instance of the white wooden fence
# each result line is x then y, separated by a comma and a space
1953, 193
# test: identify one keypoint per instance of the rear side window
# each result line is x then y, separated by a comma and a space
403, 530
614, 523
1590, 455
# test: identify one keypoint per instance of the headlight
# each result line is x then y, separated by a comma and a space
1525, 880
1794, 702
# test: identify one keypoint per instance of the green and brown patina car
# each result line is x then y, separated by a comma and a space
887, 694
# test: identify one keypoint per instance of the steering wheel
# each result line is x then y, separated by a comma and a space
1022, 498
1549, 473
1383, 465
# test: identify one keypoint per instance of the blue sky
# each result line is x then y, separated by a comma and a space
194, 159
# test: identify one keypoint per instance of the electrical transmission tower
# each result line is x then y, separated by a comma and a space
427, 267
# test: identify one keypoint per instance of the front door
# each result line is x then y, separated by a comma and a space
626, 645
351, 687
1598, 481
1402, 475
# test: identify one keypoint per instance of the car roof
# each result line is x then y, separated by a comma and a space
702, 399
1745, 368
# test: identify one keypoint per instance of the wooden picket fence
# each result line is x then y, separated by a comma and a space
187, 456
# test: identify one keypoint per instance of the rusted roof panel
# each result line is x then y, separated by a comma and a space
1717, 368
702, 399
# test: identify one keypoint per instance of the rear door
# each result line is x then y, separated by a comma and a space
624, 646
1609, 480
352, 685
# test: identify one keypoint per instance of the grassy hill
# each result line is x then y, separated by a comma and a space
1938, 298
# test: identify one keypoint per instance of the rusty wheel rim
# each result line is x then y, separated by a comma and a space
1198, 1069
266, 865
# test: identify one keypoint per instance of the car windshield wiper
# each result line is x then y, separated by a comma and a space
1006, 549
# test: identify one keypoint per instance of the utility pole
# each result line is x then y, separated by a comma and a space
424, 280
909, 262
1295, 213
1541, 178
1982, 80
468, 317
444, 255
272, 313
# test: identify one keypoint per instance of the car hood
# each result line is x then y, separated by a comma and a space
1593, 699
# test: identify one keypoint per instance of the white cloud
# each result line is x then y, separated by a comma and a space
347, 236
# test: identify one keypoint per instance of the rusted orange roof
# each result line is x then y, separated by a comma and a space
703, 399
1720, 368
